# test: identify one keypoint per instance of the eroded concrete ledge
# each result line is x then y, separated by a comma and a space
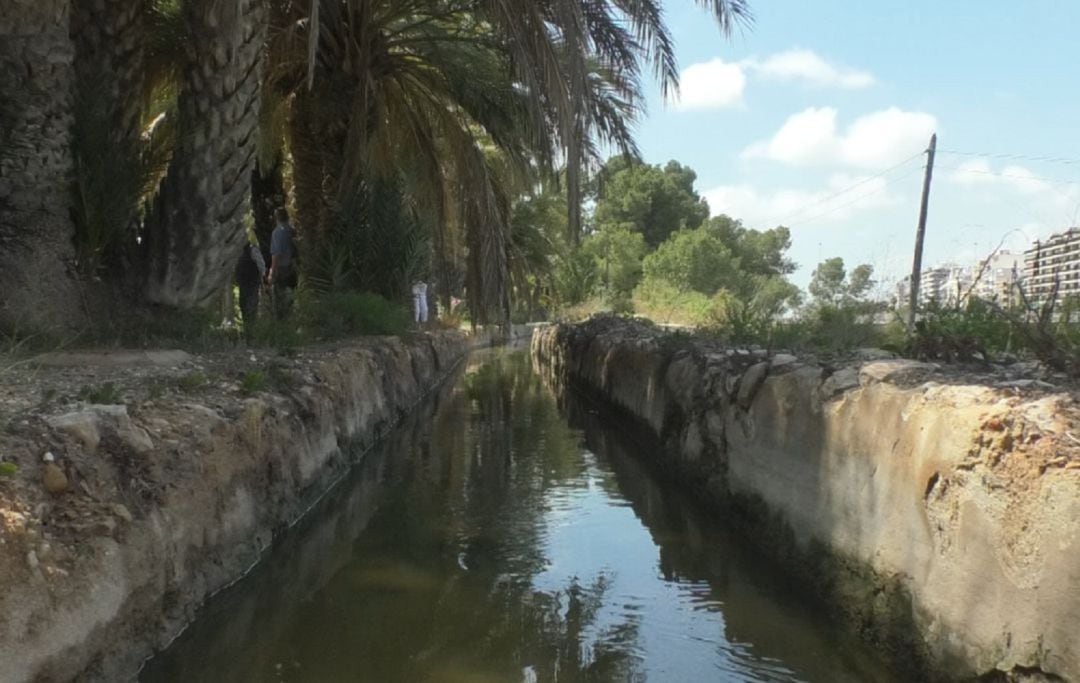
172, 496
939, 517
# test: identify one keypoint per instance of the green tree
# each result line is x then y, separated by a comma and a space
575, 277
39, 292
830, 283
695, 260
752, 314
841, 314
618, 253
760, 251
455, 106
196, 228
652, 200
537, 235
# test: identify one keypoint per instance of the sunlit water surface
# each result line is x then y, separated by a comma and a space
497, 536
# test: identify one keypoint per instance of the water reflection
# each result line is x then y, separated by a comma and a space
488, 540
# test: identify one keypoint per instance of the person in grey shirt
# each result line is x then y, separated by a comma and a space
282, 274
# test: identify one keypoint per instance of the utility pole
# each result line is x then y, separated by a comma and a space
916, 266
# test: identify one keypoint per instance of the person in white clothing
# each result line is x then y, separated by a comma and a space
419, 295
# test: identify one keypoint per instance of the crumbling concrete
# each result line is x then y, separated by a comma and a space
939, 517
175, 493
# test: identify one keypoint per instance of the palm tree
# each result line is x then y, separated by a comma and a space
456, 103
195, 230
110, 44
420, 94
37, 278
595, 28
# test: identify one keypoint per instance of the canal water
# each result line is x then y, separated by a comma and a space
502, 535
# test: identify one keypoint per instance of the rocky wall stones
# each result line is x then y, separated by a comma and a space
170, 498
936, 511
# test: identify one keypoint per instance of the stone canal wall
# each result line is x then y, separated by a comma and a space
937, 513
167, 478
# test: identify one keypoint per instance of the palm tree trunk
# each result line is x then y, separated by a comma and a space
333, 144
573, 186
37, 280
575, 141
109, 45
307, 164
196, 230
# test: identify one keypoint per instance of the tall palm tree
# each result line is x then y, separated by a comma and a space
623, 35
37, 281
195, 230
419, 93
110, 45
457, 99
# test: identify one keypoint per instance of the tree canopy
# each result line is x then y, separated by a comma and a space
652, 200
762, 252
831, 284
450, 111
695, 260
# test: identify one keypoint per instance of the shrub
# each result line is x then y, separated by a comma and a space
695, 260
104, 394
192, 381
253, 382
575, 277
582, 310
341, 314
268, 331
833, 328
659, 300
753, 317
960, 333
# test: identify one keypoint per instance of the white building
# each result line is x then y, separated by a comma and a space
1000, 271
949, 284
1053, 263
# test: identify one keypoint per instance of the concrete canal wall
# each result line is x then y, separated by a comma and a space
173, 493
938, 514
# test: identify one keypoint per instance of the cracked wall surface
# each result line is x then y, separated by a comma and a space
938, 513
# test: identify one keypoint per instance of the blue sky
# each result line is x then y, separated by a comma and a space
794, 120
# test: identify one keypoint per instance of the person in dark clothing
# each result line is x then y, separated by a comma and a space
282, 276
250, 273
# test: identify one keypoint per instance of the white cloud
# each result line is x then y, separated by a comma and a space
876, 140
805, 138
715, 84
979, 172
807, 66
794, 207
1039, 195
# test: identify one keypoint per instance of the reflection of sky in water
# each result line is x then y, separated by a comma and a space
680, 625
487, 542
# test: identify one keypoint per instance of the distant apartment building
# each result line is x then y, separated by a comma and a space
944, 284
949, 284
1000, 271
936, 285
903, 292
932, 284
1053, 263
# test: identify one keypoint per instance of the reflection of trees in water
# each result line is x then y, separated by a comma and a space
240, 631
561, 641
490, 513
767, 619
422, 566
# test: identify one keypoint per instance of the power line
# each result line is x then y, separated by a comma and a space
960, 169
861, 197
801, 210
1020, 157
